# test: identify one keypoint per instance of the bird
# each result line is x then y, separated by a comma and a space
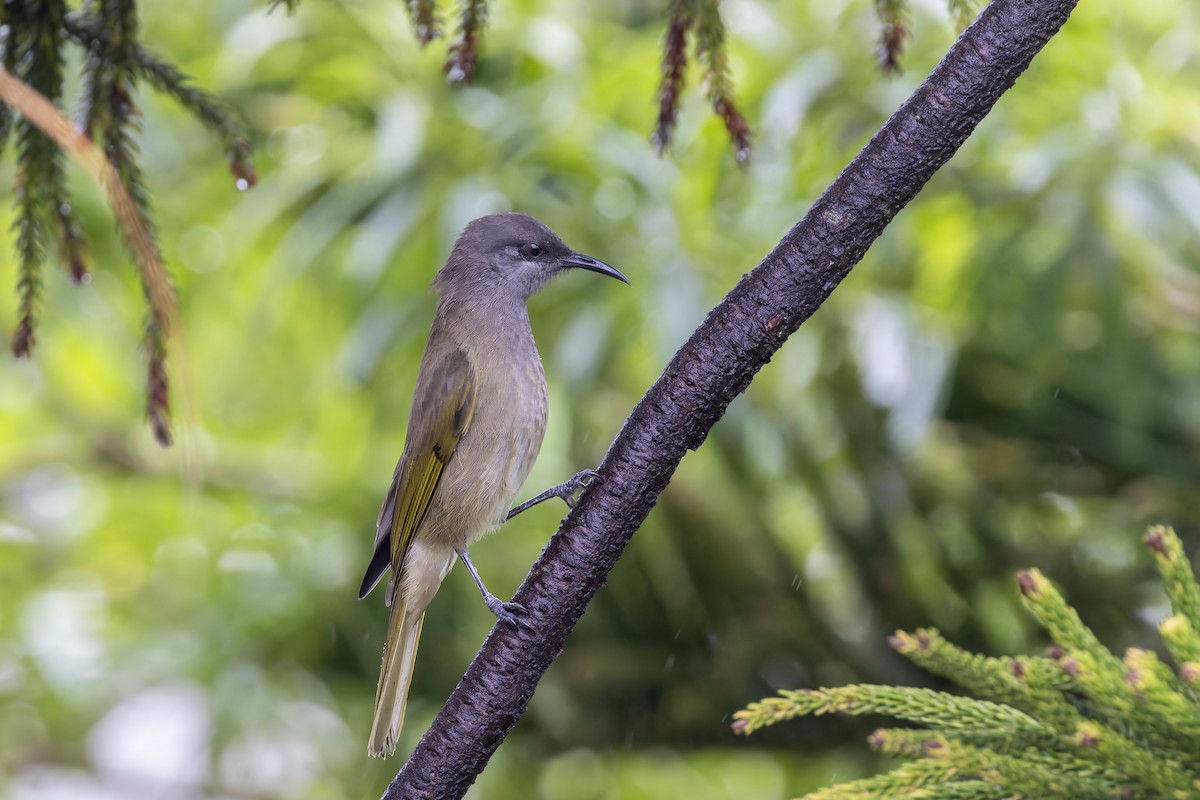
477, 420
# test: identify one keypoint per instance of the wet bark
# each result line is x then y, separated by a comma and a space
715, 365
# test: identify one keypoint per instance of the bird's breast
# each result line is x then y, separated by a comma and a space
515, 425
497, 452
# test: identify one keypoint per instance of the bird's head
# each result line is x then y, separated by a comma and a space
510, 255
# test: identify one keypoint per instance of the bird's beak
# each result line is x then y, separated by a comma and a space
595, 265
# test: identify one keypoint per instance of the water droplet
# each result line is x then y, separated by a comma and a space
242, 184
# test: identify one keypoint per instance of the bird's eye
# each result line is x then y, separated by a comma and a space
531, 251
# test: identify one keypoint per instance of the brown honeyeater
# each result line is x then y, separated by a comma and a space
476, 425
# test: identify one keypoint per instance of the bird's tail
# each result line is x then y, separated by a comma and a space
395, 675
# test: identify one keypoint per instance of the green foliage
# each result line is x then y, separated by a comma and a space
963, 11
35, 32
32, 43
711, 53
89, 30
701, 18
33, 49
464, 51
424, 16
1078, 724
893, 30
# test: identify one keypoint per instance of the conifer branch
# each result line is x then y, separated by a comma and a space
674, 67
974, 754
45, 76
32, 39
1189, 672
700, 19
464, 52
962, 790
712, 55
39, 111
1027, 683
905, 781
1181, 639
1103, 727
33, 45
1123, 696
72, 246
1162, 703
1064, 626
893, 31
31, 246
1176, 573
1137, 764
425, 22
950, 747
962, 11
1029, 774
112, 115
923, 706
33, 36
8, 58
89, 31
916, 742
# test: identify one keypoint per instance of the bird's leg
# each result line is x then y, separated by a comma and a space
508, 612
566, 490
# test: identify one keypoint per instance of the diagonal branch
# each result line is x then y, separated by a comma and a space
739, 336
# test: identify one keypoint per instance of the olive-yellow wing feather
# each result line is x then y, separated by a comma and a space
443, 405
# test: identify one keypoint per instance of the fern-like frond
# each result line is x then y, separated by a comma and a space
88, 30
712, 54
1081, 724
112, 116
425, 22
893, 32
464, 52
674, 72
32, 46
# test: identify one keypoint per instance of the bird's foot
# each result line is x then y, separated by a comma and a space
505, 612
574, 488
512, 613
567, 490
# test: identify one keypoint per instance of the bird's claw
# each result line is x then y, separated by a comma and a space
582, 481
507, 612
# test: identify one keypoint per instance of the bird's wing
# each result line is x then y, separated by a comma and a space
443, 406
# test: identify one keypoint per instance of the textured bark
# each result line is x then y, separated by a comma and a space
716, 364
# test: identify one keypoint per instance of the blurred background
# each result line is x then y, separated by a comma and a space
1011, 378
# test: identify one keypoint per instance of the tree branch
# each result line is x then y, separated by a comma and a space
739, 336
